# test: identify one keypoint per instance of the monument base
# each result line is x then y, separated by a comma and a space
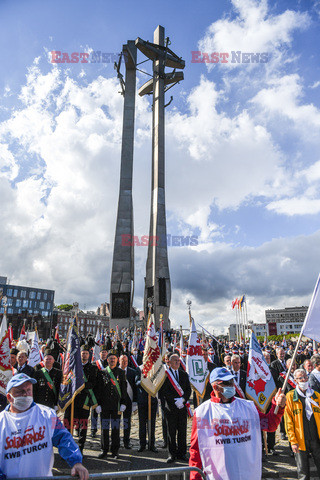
121, 322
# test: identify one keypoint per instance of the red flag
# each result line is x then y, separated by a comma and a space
56, 335
23, 332
235, 303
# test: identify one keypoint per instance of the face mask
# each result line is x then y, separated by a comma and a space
229, 392
22, 403
303, 385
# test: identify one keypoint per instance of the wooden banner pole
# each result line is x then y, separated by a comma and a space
149, 421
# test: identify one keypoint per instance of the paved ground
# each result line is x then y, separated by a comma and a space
274, 467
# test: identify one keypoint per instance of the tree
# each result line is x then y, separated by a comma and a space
65, 306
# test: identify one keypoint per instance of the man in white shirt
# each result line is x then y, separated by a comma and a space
226, 432
29, 432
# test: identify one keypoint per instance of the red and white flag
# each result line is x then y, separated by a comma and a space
153, 373
5, 365
23, 331
196, 366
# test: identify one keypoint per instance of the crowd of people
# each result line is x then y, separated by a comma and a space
113, 392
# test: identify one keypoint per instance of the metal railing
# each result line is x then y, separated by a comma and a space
166, 472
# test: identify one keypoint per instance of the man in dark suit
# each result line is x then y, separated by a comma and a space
314, 378
46, 390
279, 366
130, 399
240, 376
100, 364
142, 399
13, 357
23, 366
113, 394
175, 409
135, 360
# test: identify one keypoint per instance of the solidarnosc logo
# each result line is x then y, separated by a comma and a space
232, 57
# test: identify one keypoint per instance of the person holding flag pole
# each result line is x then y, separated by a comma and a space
226, 432
151, 378
302, 419
72, 374
310, 327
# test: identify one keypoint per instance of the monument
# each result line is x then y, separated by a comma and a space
122, 275
157, 281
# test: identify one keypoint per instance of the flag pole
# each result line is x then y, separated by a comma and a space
238, 326
149, 396
246, 314
149, 421
189, 303
72, 417
265, 441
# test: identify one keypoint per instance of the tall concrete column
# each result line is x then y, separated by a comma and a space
157, 284
122, 276
157, 280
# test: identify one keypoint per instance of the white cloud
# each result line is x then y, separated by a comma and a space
315, 84
296, 206
214, 154
284, 97
253, 29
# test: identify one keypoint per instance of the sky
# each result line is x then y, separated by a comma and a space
242, 151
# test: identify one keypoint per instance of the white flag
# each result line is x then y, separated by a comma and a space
34, 356
96, 348
311, 325
196, 365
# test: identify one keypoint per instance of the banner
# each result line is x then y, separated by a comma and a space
153, 373
56, 335
4, 328
311, 326
23, 331
72, 374
34, 355
5, 365
196, 365
260, 385
96, 348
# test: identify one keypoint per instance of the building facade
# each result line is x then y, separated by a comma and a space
27, 303
259, 329
285, 321
88, 321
